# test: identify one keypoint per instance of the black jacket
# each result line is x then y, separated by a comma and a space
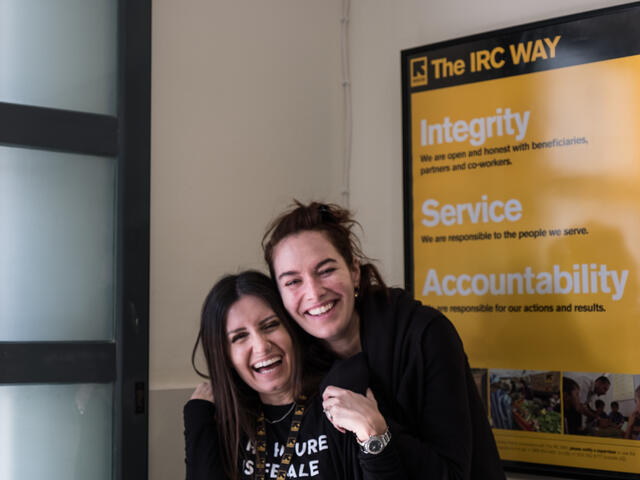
421, 378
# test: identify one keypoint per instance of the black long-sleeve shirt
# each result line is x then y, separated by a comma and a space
321, 451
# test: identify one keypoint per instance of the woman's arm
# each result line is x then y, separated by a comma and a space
386, 465
421, 378
359, 414
444, 431
202, 448
438, 437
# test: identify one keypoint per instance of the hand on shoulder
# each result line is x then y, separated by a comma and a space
203, 392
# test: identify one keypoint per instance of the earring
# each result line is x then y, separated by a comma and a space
356, 292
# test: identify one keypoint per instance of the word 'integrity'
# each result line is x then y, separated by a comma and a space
477, 130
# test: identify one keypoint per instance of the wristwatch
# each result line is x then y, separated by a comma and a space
375, 443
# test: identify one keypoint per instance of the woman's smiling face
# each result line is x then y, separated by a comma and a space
261, 349
317, 286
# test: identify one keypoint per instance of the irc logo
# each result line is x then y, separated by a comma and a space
418, 75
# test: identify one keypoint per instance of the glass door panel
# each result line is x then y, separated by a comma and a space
59, 54
74, 238
57, 246
57, 432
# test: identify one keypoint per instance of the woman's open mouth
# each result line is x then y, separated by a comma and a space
322, 309
268, 365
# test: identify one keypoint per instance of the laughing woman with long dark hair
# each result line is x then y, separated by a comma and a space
261, 413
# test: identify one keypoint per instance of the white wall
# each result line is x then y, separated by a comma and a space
244, 105
247, 114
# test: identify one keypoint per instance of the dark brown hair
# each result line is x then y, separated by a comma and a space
236, 403
337, 224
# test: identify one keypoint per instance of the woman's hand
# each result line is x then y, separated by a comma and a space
350, 411
203, 392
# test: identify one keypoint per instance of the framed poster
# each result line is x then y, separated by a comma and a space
522, 225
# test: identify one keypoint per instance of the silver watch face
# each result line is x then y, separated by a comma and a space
374, 445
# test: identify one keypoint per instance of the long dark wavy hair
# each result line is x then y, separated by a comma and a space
338, 225
237, 405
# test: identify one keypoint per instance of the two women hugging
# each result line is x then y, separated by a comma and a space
323, 371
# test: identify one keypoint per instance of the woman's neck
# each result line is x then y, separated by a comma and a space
348, 343
284, 398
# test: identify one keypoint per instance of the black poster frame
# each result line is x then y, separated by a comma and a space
626, 44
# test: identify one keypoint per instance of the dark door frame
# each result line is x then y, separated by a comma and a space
127, 136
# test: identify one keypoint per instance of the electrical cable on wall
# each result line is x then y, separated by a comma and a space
346, 84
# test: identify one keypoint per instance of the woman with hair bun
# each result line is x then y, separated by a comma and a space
419, 372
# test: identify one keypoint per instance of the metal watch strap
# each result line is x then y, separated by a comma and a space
375, 443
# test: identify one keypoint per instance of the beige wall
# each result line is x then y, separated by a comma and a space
246, 109
247, 113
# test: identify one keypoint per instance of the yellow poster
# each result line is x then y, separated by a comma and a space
523, 164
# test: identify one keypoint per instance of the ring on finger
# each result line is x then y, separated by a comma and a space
328, 414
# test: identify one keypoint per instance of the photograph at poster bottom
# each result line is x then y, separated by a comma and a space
525, 217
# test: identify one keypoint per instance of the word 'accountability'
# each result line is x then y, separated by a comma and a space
477, 130
585, 278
